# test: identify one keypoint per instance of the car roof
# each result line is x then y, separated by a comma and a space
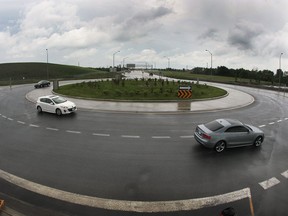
49, 96
229, 122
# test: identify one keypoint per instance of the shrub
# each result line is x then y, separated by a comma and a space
118, 93
106, 92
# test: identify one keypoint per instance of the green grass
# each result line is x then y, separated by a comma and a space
20, 73
211, 78
138, 89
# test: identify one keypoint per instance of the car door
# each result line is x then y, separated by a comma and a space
237, 136
43, 104
50, 105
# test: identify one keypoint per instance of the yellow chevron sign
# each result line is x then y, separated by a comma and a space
185, 92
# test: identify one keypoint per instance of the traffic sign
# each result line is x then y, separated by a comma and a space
185, 93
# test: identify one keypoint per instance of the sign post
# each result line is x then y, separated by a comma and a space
185, 92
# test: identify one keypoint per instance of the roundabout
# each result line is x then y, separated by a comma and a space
141, 158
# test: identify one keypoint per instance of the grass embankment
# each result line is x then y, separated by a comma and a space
203, 77
21, 73
138, 89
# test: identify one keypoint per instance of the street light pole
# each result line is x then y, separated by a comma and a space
168, 61
114, 58
211, 57
123, 62
47, 64
280, 69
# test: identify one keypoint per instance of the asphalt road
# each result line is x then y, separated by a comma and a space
141, 157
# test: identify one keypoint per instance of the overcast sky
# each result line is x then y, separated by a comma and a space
248, 34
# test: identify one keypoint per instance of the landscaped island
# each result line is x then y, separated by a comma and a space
138, 90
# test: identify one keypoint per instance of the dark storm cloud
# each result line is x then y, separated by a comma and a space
243, 35
141, 23
209, 34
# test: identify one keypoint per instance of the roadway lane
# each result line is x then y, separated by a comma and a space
147, 157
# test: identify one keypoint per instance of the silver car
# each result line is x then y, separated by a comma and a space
228, 133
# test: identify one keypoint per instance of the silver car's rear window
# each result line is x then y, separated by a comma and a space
213, 126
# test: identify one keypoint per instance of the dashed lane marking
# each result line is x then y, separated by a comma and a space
73, 132
161, 137
32, 125
129, 206
10, 119
21, 122
269, 183
187, 137
99, 134
52, 129
262, 126
130, 136
5, 117
279, 121
271, 123
285, 174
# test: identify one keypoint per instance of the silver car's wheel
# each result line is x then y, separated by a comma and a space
220, 146
58, 112
39, 109
258, 141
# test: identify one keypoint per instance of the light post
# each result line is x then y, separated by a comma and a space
47, 64
211, 57
211, 60
168, 61
123, 61
280, 70
114, 58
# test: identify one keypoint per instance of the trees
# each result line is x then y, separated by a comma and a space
254, 75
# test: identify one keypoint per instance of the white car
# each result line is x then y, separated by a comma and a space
55, 104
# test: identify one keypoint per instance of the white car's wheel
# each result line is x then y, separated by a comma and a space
58, 112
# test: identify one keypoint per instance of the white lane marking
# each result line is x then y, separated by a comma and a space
286, 119
124, 205
32, 125
187, 137
262, 126
10, 119
52, 129
4, 116
161, 137
103, 135
285, 174
21, 122
269, 183
271, 123
279, 121
73, 132
130, 136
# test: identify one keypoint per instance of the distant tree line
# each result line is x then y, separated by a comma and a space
255, 76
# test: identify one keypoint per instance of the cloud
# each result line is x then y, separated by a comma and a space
212, 33
239, 33
140, 24
244, 34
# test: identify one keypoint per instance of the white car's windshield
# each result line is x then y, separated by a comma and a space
58, 100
